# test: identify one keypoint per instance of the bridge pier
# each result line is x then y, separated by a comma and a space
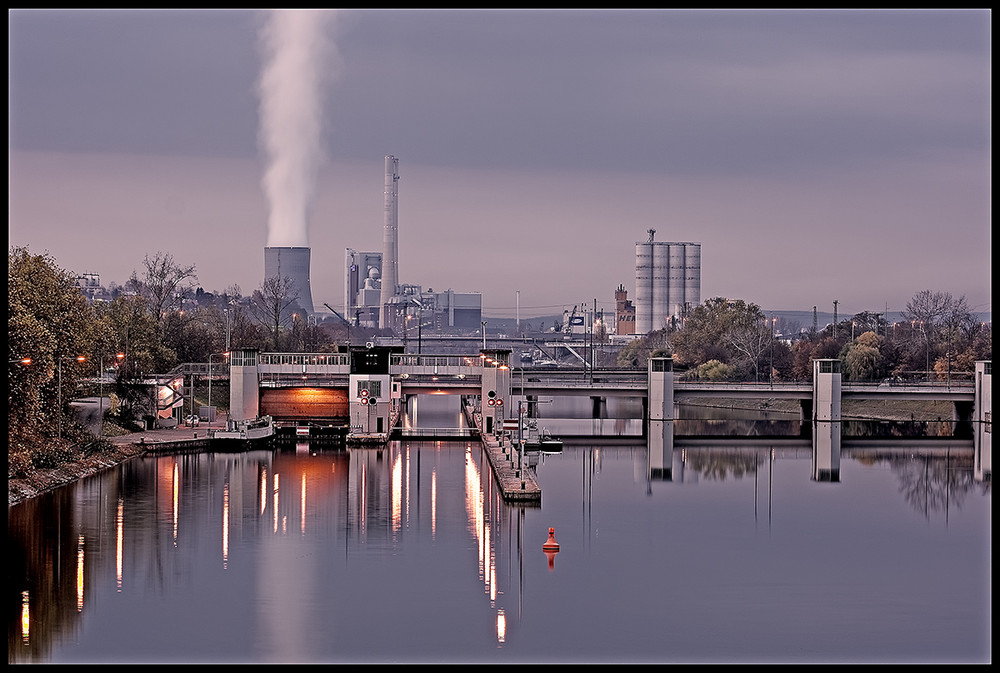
660, 395
826, 390
599, 406
983, 406
244, 385
805, 412
983, 421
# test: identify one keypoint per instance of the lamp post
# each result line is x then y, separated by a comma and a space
226, 354
78, 358
774, 322
484, 334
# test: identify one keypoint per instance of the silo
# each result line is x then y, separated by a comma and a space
293, 263
675, 302
661, 285
644, 286
692, 275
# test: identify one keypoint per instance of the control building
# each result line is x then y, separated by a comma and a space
667, 282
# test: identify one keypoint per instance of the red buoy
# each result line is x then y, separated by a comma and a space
551, 544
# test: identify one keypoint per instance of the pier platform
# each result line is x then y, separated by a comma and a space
514, 485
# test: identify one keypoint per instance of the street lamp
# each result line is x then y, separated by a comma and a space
78, 358
226, 354
774, 322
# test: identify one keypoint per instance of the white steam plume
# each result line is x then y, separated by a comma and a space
298, 60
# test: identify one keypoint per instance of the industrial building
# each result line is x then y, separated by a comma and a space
667, 282
362, 286
374, 296
624, 313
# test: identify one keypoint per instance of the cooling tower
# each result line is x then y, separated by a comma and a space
390, 240
292, 263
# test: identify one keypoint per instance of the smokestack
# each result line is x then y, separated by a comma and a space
291, 262
390, 240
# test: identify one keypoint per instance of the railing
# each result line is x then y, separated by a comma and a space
305, 359
411, 360
442, 433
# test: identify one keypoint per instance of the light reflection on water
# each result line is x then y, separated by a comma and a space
676, 551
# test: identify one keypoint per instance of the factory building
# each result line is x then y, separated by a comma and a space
412, 308
667, 282
624, 312
374, 296
362, 286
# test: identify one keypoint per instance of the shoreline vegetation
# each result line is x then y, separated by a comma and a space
43, 480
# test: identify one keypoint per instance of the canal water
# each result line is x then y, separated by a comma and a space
716, 541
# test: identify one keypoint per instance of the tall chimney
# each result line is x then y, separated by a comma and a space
390, 240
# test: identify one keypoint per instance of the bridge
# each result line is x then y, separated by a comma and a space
368, 385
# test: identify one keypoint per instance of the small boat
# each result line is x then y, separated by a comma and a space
246, 431
540, 440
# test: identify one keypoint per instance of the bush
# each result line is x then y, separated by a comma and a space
53, 454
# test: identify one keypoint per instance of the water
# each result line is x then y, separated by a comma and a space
308, 554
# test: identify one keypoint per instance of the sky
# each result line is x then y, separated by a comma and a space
816, 155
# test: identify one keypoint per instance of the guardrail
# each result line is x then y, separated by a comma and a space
437, 433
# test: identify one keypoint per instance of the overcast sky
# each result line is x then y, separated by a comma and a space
815, 155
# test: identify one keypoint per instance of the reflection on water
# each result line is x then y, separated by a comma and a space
408, 553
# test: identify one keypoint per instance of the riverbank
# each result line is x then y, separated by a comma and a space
122, 448
40, 481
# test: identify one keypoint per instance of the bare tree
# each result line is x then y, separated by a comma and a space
272, 304
163, 284
928, 307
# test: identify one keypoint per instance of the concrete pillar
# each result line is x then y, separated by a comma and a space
244, 385
983, 410
599, 406
660, 372
826, 390
983, 422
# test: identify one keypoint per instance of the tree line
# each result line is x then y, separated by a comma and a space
733, 340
